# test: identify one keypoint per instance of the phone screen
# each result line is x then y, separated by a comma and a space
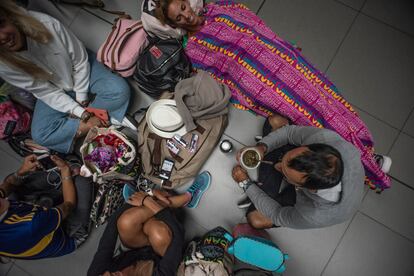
166, 169
46, 162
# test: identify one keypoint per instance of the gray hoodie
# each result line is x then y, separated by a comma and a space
311, 210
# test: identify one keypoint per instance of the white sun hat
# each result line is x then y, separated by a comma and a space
164, 120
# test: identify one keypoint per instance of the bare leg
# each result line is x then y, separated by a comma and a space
159, 235
130, 227
258, 220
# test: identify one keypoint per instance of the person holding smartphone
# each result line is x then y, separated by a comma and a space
30, 231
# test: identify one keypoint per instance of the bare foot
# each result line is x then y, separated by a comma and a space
277, 121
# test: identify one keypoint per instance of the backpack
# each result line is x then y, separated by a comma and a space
123, 45
186, 164
161, 66
207, 256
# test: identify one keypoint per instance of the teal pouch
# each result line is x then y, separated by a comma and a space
258, 252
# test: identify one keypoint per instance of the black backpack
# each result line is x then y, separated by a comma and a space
161, 66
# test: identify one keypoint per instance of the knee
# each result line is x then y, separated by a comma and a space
118, 88
128, 223
159, 234
257, 221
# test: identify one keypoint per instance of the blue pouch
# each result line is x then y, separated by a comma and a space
258, 252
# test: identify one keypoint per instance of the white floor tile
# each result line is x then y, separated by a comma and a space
398, 13
130, 7
370, 249
244, 125
356, 4
309, 250
383, 134
8, 164
91, 30
409, 126
317, 27
218, 206
403, 159
64, 13
393, 207
373, 70
76, 263
17, 271
5, 268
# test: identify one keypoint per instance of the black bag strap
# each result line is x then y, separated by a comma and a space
99, 4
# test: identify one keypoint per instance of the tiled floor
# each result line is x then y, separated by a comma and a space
366, 48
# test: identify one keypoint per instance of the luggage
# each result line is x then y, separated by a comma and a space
122, 47
161, 66
186, 164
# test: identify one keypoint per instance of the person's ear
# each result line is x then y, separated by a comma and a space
278, 166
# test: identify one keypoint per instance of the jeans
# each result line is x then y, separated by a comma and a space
56, 130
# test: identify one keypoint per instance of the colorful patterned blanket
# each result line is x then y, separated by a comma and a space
267, 74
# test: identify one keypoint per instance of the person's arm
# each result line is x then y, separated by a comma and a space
171, 260
68, 188
30, 164
279, 215
43, 90
294, 135
79, 57
103, 259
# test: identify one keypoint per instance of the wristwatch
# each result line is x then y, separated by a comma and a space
245, 184
85, 116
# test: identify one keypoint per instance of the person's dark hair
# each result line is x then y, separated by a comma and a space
322, 165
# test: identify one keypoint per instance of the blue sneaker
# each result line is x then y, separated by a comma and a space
127, 191
197, 189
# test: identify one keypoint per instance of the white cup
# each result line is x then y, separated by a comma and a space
244, 164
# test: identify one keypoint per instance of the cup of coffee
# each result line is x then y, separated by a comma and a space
250, 158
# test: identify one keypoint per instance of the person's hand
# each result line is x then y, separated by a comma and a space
60, 163
136, 199
30, 164
94, 122
260, 148
84, 103
162, 195
239, 174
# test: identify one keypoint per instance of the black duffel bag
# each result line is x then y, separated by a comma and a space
161, 66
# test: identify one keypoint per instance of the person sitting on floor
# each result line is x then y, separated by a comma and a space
151, 239
30, 231
38, 54
317, 179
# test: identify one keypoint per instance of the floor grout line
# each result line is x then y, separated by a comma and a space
342, 42
388, 24
260, 7
386, 226
338, 244
401, 182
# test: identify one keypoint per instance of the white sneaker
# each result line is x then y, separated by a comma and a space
384, 162
243, 203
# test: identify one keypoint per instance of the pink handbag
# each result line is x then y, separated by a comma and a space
122, 47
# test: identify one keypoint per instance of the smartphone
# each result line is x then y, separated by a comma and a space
46, 162
166, 169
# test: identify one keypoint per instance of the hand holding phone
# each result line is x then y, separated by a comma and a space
46, 162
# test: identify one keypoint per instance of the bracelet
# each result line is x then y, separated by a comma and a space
245, 184
66, 177
2, 193
142, 202
18, 177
